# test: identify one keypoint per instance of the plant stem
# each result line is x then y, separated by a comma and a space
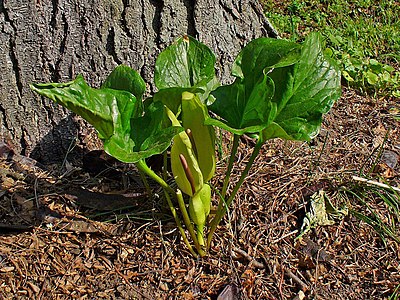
141, 165
222, 210
179, 224
165, 165
221, 203
145, 182
249, 164
188, 223
228, 172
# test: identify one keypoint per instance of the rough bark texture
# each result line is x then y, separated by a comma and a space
44, 40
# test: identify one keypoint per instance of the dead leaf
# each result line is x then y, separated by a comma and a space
7, 269
319, 213
27, 207
379, 132
249, 280
164, 286
299, 296
389, 161
390, 158
311, 253
105, 202
34, 287
230, 292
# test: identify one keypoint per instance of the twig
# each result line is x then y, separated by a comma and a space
281, 281
300, 282
42, 289
284, 236
376, 183
248, 257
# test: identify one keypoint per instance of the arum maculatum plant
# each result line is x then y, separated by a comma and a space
281, 90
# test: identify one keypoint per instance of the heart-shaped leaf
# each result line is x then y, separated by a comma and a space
126, 79
281, 89
248, 105
311, 88
186, 63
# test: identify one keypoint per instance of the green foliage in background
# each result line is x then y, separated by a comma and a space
363, 35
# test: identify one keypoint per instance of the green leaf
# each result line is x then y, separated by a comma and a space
126, 79
109, 111
388, 68
172, 97
127, 136
279, 90
311, 88
148, 128
262, 55
347, 76
249, 105
274, 130
242, 111
147, 137
184, 64
372, 78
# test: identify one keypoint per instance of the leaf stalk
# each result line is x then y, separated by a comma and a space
225, 204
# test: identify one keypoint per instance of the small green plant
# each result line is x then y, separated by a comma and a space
385, 224
281, 90
370, 75
395, 294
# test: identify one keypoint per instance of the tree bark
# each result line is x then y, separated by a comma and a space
42, 41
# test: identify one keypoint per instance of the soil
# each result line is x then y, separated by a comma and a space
86, 229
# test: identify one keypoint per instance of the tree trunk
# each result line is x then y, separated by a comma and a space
45, 40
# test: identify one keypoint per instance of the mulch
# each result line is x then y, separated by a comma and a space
67, 233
